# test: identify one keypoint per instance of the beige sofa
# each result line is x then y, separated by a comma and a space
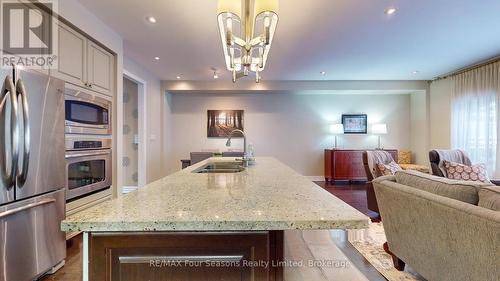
434, 225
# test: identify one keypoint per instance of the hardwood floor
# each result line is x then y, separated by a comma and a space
353, 195
72, 270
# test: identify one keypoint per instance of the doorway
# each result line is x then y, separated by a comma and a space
133, 162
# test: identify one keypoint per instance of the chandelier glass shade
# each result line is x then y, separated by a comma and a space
247, 34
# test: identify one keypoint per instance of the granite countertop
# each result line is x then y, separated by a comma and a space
266, 196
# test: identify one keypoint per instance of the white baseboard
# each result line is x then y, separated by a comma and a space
127, 189
316, 178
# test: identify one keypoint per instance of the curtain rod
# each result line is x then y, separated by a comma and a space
468, 68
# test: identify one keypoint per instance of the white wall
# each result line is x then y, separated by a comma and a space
419, 131
168, 135
440, 114
155, 121
289, 126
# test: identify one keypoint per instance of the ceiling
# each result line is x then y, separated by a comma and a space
348, 39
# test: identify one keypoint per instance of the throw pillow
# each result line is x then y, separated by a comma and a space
404, 157
459, 171
388, 169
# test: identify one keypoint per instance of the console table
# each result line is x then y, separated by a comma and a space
347, 164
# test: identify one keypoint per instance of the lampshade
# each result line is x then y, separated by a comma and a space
379, 129
337, 129
229, 6
261, 6
265, 15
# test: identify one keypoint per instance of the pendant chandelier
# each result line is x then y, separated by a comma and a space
246, 38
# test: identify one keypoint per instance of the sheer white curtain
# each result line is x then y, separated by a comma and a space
475, 117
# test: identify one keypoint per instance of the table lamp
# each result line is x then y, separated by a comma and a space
336, 129
379, 129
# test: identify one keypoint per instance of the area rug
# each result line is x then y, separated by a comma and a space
369, 242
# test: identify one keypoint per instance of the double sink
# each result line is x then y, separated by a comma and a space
220, 167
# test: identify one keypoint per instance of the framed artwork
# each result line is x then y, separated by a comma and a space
220, 123
355, 123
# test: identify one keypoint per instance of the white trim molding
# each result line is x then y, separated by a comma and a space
85, 256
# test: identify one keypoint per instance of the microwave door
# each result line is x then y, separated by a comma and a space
87, 113
41, 164
6, 137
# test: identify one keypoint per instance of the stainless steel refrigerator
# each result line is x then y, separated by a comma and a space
32, 174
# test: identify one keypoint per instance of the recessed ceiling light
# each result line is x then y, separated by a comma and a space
323, 73
157, 58
178, 77
390, 11
151, 19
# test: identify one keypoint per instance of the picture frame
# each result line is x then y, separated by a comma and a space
220, 123
355, 123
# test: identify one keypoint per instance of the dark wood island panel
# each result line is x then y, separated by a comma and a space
180, 256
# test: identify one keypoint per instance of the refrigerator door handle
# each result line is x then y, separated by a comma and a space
23, 174
25, 207
8, 177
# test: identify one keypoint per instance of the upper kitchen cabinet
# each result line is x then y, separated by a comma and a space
99, 68
83, 62
72, 56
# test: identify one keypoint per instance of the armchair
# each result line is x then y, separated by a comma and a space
435, 160
370, 159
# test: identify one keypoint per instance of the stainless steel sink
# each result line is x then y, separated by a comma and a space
220, 167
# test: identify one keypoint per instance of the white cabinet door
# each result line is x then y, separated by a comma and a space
72, 56
100, 68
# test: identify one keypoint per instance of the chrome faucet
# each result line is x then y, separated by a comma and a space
245, 158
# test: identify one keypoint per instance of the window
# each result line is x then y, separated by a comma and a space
475, 114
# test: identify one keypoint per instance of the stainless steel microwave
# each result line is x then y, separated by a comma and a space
87, 112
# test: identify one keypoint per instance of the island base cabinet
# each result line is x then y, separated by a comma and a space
176, 256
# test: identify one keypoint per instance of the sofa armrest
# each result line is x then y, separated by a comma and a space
419, 224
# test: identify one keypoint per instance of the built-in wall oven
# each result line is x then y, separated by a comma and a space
88, 165
87, 112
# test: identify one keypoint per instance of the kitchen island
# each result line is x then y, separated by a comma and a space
207, 226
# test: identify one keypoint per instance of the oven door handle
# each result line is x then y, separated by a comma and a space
75, 155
